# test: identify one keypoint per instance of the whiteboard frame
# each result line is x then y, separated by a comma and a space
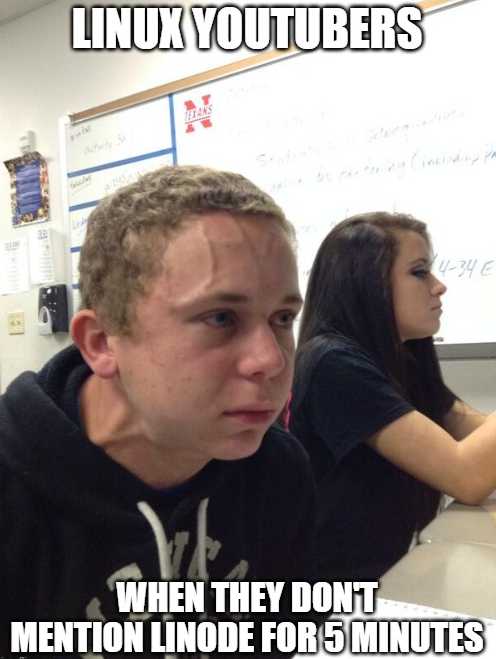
66, 223
462, 351
253, 61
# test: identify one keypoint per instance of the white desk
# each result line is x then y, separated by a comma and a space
460, 523
444, 575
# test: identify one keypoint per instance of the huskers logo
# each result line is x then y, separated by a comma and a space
202, 113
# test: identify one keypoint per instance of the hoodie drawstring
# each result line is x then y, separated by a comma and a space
201, 539
164, 557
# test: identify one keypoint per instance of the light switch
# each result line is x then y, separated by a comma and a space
15, 322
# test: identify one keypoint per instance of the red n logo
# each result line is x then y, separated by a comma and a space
201, 114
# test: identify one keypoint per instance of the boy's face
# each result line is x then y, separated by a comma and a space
210, 362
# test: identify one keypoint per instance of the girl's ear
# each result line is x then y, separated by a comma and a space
91, 338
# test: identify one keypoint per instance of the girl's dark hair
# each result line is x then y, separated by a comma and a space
349, 295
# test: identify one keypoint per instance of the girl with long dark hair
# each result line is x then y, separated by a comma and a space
369, 402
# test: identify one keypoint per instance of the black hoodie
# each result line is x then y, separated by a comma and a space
73, 521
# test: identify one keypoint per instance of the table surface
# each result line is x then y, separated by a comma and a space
445, 575
460, 523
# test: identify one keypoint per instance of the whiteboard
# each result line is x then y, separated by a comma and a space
330, 134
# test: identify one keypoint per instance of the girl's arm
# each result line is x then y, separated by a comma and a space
462, 419
465, 469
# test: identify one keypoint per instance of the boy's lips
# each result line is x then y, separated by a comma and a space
251, 414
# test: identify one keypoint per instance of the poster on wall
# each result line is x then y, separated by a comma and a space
28, 189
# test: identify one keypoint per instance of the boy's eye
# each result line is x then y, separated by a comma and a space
220, 319
284, 319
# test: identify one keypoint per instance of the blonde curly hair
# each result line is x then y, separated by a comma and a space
128, 232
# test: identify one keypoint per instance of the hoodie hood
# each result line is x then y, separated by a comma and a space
73, 522
47, 450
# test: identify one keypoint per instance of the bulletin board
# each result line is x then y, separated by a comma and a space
330, 134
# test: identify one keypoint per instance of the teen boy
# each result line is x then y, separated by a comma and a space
146, 451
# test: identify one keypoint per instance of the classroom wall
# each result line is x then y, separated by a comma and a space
42, 80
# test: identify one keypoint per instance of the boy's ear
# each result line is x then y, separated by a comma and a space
91, 338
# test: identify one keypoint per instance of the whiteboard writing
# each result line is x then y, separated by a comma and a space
331, 134
106, 146
469, 267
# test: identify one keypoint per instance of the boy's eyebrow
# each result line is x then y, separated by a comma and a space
292, 298
227, 297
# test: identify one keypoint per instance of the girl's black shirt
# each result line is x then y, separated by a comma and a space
368, 509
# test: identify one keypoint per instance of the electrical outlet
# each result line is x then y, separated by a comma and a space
15, 322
